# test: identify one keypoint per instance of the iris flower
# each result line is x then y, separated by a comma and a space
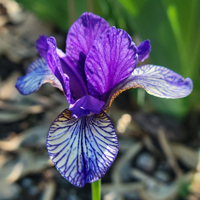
99, 63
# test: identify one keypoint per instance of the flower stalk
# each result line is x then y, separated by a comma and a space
96, 190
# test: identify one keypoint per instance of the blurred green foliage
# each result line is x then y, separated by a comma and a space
173, 26
48, 10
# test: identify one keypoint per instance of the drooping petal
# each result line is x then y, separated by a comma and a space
85, 105
110, 60
81, 36
156, 80
37, 74
143, 50
82, 149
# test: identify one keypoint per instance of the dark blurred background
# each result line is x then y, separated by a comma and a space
159, 138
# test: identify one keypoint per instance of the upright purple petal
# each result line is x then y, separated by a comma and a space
85, 106
143, 50
54, 64
37, 74
156, 80
110, 60
81, 36
73, 83
82, 149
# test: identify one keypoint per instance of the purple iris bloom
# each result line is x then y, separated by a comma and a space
99, 63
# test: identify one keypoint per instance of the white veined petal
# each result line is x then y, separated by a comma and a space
82, 149
161, 82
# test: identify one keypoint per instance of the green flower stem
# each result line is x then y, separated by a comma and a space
96, 190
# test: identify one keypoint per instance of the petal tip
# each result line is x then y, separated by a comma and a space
144, 48
20, 86
37, 74
42, 46
189, 84
28, 84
